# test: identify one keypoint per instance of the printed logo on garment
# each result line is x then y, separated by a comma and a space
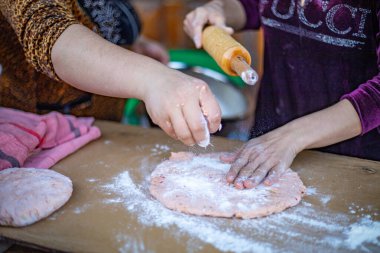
336, 22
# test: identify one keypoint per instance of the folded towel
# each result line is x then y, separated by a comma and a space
40, 141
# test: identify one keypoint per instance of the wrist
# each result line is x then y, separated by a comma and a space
298, 135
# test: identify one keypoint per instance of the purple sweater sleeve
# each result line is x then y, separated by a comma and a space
366, 98
252, 13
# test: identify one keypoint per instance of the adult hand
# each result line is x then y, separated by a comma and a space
151, 49
263, 159
184, 107
181, 105
211, 13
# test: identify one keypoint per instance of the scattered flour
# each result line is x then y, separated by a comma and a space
107, 142
362, 211
151, 213
55, 215
131, 244
81, 209
311, 191
325, 199
304, 228
159, 149
364, 231
92, 180
113, 201
103, 164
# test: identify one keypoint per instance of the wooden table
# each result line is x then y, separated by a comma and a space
106, 215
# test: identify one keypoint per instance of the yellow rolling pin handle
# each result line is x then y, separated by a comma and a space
230, 55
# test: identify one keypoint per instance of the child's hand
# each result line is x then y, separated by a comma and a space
263, 159
211, 13
179, 104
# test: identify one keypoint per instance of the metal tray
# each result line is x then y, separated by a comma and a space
231, 100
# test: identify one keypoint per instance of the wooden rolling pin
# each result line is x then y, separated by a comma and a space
230, 55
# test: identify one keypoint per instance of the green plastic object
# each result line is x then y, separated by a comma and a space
191, 58
130, 111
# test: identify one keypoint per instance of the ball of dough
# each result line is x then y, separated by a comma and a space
28, 195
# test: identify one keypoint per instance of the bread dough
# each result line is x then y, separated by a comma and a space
197, 185
28, 195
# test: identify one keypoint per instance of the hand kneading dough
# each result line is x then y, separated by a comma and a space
197, 185
28, 195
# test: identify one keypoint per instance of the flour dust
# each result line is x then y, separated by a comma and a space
304, 228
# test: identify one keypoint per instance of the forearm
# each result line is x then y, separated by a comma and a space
326, 127
235, 14
90, 63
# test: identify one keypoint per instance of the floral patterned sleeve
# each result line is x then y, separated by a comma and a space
38, 24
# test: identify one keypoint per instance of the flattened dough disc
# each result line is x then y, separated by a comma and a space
197, 185
28, 195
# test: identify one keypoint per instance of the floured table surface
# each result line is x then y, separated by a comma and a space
111, 209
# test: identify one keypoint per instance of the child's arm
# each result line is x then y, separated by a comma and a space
268, 156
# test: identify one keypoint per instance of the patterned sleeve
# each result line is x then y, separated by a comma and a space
117, 21
38, 24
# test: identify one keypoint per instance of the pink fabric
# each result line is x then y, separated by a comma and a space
40, 141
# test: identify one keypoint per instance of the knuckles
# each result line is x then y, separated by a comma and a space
190, 87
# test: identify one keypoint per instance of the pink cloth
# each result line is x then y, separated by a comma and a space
40, 141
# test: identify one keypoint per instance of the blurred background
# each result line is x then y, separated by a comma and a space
162, 21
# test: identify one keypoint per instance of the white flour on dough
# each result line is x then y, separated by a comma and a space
197, 185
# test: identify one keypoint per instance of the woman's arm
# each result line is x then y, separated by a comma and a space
150, 48
56, 45
176, 102
88, 62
